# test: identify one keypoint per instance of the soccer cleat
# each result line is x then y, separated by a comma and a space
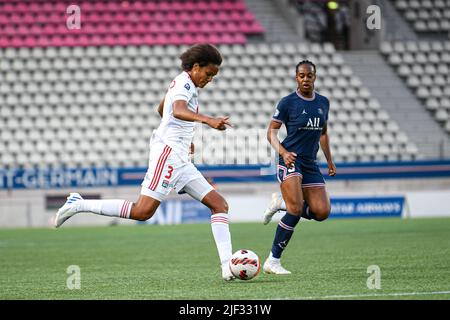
274, 267
274, 206
226, 272
68, 209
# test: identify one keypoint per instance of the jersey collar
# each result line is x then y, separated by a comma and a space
305, 98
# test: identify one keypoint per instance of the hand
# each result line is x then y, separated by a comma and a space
331, 169
192, 149
289, 158
219, 123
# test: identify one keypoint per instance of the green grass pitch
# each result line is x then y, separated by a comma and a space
328, 260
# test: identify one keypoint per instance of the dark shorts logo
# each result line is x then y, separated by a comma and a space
165, 183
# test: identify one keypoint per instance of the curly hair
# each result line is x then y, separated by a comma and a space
203, 54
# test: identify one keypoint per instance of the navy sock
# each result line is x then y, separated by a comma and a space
307, 214
284, 232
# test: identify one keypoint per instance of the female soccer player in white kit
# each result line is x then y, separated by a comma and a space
169, 162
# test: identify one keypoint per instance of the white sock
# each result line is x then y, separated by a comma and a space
222, 236
111, 208
271, 258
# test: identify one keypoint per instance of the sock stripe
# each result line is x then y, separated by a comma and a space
219, 219
124, 211
285, 226
127, 212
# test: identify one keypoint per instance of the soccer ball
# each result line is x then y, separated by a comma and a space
244, 264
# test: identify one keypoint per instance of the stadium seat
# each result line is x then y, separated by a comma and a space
112, 99
431, 58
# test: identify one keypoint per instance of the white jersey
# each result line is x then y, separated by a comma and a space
178, 134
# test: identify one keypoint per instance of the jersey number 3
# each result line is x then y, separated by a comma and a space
169, 172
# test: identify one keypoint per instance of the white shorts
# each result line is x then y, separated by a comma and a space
167, 171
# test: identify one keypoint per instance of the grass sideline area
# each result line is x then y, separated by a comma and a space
328, 260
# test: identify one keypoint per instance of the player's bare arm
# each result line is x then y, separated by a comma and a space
272, 137
325, 146
161, 107
182, 112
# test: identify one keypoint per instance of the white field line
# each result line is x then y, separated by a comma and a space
399, 294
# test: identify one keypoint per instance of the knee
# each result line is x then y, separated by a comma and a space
321, 214
141, 215
294, 208
220, 207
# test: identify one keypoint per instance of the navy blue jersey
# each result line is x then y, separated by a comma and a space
304, 120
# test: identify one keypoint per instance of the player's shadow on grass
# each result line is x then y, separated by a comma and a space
257, 281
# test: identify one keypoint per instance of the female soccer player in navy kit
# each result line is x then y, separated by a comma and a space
303, 194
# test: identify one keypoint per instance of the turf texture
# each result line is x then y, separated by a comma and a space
328, 260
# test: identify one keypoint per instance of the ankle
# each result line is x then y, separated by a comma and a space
273, 259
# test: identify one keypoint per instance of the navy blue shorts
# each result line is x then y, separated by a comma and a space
307, 169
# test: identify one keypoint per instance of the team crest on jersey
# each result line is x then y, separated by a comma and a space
187, 86
277, 112
320, 111
165, 183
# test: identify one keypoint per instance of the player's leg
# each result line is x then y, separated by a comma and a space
142, 210
317, 203
293, 197
277, 202
75, 204
152, 193
201, 190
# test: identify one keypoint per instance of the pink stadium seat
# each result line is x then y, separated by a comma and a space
213, 38
138, 6
114, 7
171, 16
216, 6
8, 7
9, 30
126, 22
81, 40
200, 6
3, 42
4, 18
150, 6
165, 6
22, 7
109, 40
239, 5
58, 41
